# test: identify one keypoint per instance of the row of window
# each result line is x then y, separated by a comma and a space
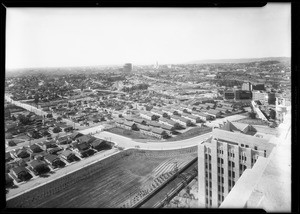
220, 188
231, 164
206, 183
207, 156
220, 170
243, 158
208, 175
231, 173
220, 160
243, 167
210, 202
220, 179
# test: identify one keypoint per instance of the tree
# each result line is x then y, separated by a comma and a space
49, 115
252, 115
36, 99
56, 129
59, 118
272, 114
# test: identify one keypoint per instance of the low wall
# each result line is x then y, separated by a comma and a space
34, 196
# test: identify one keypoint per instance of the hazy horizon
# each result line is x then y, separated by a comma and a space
78, 37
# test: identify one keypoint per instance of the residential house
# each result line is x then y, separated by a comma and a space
148, 115
67, 155
144, 129
22, 153
169, 129
194, 119
159, 113
84, 149
8, 157
38, 167
34, 148
21, 173
139, 121
53, 160
75, 135
201, 115
54, 151
182, 121
129, 125
86, 139
64, 140
169, 122
153, 124
100, 145
213, 113
222, 110
159, 133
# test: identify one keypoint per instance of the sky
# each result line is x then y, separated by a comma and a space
54, 37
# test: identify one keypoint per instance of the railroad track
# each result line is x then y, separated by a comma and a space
170, 189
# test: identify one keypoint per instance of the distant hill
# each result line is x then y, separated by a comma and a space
243, 60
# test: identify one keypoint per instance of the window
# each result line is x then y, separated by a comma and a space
232, 164
219, 188
242, 145
209, 166
245, 158
205, 156
229, 163
233, 183
210, 184
206, 200
205, 165
233, 174
222, 198
210, 202
222, 161
229, 182
265, 153
218, 169
206, 183
209, 175
222, 170
210, 193
247, 146
206, 174
255, 147
229, 173
232, 154
218, 160
218, 178
219, 197
206, 192
222, 180
222, 189
240, 157
209, 157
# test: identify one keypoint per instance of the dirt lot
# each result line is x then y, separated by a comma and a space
191, 133
130, 133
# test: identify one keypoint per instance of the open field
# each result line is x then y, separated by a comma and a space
121, 180
130, 133
191, 133
252, 121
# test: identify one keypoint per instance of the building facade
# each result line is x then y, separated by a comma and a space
221, 161
247, 86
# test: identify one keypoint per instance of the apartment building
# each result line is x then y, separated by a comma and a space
221, 161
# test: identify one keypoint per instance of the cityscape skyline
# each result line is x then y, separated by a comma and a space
69, 37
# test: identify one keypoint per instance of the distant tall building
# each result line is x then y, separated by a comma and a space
242, 95
259, 87
264, 97
127, 67
228, 95
247, 86
221, 161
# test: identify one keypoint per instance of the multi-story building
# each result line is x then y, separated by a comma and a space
127, 67
221, 161
242, 95
229, 95
247, 86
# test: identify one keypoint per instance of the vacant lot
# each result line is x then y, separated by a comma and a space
191, 133
253, 121
130, 133
118, 181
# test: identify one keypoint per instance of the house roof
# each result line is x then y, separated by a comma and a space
97, 142
7, 155
82, 146
85, 138
153, 123
35, 163
180, 118
146, 128
138, 120
157, 130
67, 153
19, 169
34, 147
120, 121
128, 123
167, 127
171, 122
51, 158
75, 135
212, 111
